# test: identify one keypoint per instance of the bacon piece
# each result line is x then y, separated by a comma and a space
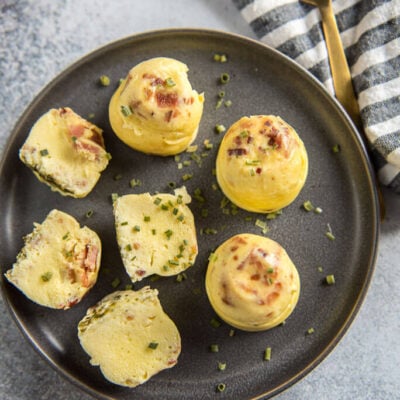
167, 99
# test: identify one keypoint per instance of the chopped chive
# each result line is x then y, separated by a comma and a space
330, 279
114, 196
214, 348
89, 213
128, 247
192, 148
219, 128
104, 80
310, 331
146, 218
181, 217
186, 177
175, 211
153, 345
129, 286
172, 185
118, 177
221, 94
168, 233
231, 333
318, 210
221, 387
210, 231
157, 201
135, 182
65, 237
126, 111
115, 282
124, 223
336, 148
219, 104
153, 231
169, 82
228, 103
46, 276
307, 205
44, 152
262, 224
221, 366
204, 212
215, 323
136, 228
329, 233
224, 78
267, 354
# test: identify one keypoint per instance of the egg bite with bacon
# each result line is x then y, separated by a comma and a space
155, 110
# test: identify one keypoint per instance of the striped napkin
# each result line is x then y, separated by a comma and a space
370, 32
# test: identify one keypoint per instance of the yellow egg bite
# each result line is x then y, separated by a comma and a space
156, 234
262, 163
59, 262
66, 152
155, 110
251, 282
130, 337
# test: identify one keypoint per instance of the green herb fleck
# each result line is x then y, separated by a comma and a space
153, 345
44, 152
104, 80
46, 276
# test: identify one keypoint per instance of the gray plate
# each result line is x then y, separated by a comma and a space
262, 82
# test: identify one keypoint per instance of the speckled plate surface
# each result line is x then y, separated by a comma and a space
262, 82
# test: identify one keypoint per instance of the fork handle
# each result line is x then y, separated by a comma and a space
338, 63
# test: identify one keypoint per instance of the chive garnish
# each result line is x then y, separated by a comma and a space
186, 177
221, 366
221, 387
44, 152
219, 128
157, 201
46, 276
146, 218
115, 282
135, 182
126, 111
214, 348
89, 213
168, 233
267, 354
307, 205
329, 233
124, 223
136, 228
215, 323
224, 78
169, 82
153, 345
104, 80
310, 331
330, 279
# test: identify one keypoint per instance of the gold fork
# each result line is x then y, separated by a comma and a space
340, 71
337, 60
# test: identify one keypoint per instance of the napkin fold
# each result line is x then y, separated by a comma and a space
370, 32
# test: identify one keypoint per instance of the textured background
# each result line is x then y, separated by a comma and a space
38, 39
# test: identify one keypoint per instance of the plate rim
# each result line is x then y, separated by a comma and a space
359, 139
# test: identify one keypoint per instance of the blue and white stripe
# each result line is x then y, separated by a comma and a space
370, 32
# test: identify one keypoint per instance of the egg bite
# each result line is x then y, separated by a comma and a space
262, 164
155, 110
251, 282
66, 152
59, 262
156, 234
130, 337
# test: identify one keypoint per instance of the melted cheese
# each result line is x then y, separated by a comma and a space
130, 337
156, 234
66, 152
262, 164
155, 110
251, 282
59, 262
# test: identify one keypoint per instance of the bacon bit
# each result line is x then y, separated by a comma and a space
135, 104
235, 257
249, 139
87, 147
176, 113
130, 317
71, 275
148, 93
71, 303
278, 285
237, 152
91, 257
255, 277
136, 246
268, 122
168, 116
189, 101
155, 80
272, 297
234, 248
172, 362
238, 140
167, 99
225, 298
140, 272
76, 130
258, 170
